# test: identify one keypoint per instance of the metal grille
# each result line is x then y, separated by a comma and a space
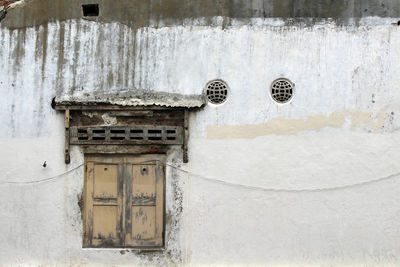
282, 90
216, 91
169, 135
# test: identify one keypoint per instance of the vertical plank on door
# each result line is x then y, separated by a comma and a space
103, 204
146, 206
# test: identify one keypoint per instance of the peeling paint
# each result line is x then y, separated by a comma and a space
283, 126
108, 120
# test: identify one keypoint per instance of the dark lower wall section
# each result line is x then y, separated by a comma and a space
172, 12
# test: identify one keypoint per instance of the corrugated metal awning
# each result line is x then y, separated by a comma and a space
130, 98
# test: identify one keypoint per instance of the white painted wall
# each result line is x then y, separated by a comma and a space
314, 182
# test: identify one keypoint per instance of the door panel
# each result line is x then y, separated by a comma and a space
106, 181
143, 223
143, 184
105, 224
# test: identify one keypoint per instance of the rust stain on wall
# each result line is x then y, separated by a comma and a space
283, 126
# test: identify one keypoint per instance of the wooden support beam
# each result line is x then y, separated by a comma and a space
185, 136
67, 135
125, 149
131, 113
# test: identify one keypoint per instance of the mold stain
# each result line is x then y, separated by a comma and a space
80, 204
139, 14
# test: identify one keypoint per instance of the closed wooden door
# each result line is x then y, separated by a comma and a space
124, 201
144, 209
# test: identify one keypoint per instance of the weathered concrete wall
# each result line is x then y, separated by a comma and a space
178, 12
315, 181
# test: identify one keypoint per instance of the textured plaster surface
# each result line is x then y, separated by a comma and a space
313, 182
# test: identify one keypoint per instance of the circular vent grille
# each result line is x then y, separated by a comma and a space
282, 90
216, 92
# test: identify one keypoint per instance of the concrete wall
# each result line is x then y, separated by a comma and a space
158, 13
313, 182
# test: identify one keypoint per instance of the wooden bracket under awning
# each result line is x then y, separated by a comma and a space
67, 145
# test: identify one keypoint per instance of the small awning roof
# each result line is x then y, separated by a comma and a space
130, 97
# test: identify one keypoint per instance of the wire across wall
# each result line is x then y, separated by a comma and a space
191, 174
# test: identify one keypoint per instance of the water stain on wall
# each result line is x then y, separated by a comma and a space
175, 12
283, 126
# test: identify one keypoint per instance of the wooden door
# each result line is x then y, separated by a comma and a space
145, 202
103, 209
124, 201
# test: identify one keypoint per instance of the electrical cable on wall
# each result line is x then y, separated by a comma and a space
287, 190
214, 180
42, 180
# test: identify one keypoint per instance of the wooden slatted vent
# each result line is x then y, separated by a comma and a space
169, 135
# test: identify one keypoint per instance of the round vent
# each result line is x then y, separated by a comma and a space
216, 92
282, 90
